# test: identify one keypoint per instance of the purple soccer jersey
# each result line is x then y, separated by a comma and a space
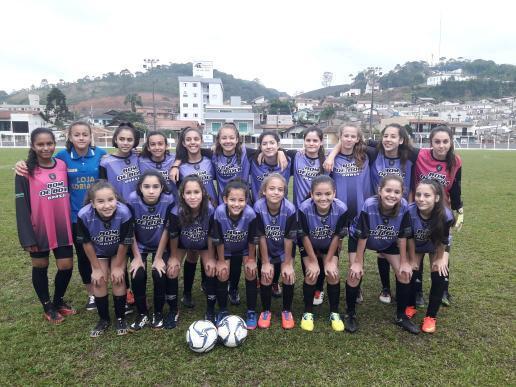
204, 169
259, 172
321, 228
380, 231
122, 172
276, 227
229, 167
421, 231
383, 166
105, 234
353, 183
236, 235
192, 236
162, 167
149, 220
305, 170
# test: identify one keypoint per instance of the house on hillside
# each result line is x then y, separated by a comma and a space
351, 93
241, 115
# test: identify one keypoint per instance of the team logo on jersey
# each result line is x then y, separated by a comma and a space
348, 169
228, 170
383, 231
108, 237
308, 173
127, 161
235, 236
273, 232
197, 166
52, 176
194, 233
204, 176
439, 168
323, 232
439, 177
129, 174
391, 162
391, 171
150, 222
82, 182
422, 235
55, 190
152, 209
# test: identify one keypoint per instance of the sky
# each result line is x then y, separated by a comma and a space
288, 45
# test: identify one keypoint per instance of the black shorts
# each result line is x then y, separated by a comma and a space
275, 260
391, 250
59, 252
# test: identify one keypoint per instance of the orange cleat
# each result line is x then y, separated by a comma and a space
130, 297
428, 325
264, 321
287, 321
410, 311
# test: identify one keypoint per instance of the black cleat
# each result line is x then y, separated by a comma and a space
121, 327
187, 300
210, 316
420, 300
407, 325
141, 322
157, 321
170, 322
100, 328
350, 323
447, 298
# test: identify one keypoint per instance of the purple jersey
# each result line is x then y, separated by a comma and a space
236, 235
353, 183
305, 170
122, 172
192, 236
276, 227
383, 166
258, 172
421, 231
204, 169
149, 220
105, 234
321, 228
228, 168
380, 231
162, 167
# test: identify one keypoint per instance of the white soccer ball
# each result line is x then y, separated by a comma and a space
201, 336
232, 331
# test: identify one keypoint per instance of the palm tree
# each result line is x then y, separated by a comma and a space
133, 99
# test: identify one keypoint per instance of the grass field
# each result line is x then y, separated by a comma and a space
475, 343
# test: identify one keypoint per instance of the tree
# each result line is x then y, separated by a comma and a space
327, 113
327, 79
56, 110
128, 116
134, 100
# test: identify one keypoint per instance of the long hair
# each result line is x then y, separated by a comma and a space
126, 126
260, 139
146, 153
359, 150
321, 180
382, 184
404, 149
450, 156
321, 154
32, 158
438, 215
181, 151
267, 180
69, 144
101, 184
238, 148
150, 173
236, 183
186, 215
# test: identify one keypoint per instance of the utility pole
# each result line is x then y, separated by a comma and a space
372, 73
150, 62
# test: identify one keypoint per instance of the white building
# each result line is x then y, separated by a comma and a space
350, 93
306, 103
369, 87
21, 119
440, 77
241, 115
197, 92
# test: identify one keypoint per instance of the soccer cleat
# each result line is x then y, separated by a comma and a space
307, 322
157, 321
428, 325
210, 316
264, 321
385, 296
141, 322
410, 311
52, 315
100, 328
251, 319
407, 325
65, 309
350, 323
360, 296
446, 300
90, 305
129, 296
336, 322
234, 297
276, 290
318, 297
287, 320
128, 309
170, 321
187, 300
420, 300
121, 327
220, 316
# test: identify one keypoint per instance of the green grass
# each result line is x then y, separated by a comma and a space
475, 342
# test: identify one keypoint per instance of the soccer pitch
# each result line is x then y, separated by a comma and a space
474, 344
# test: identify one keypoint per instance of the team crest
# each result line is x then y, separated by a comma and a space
127, 161
107, 225
152, 210
391, 162
197, 166
52, 176
439, 167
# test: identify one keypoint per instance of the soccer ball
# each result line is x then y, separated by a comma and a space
201, 336
232, 331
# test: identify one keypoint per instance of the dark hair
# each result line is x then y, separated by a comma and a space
321, 154
438, 215
186, 215
126, 126
238, 148
322, 179
32, 158
260, 139
382, 184
146, 153
404, 148
181, 151
268, 178
151, 173
69, 144
234, 184
101, 184
359, 150
450, 156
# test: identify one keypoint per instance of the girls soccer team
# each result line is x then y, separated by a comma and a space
365, 195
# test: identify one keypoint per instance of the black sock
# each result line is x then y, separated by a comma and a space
235, 270
211, 293
102, 304
333, 296
384, 269
40, 283
61, 282
159, 291
288, 296
139, 286
308, 296
266, 296
417, 276
203, 275
188, 276
251, 294
222, 294
402, 295
411, 301
436, 294
447, 280
319, 285
127, 279
351, 298
277, 272
119, 302
171, 290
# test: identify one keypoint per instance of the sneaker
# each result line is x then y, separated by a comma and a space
220, 316
170, 322
187, 300
100, 328
65, 309
410, 311
251, 320
141, 322
350, 323
447, 298
318, 297
52, 315
276, 290
121, 327
336, 322
128, 309
287, 320
264, 321
428, 325
157, 321
385, 296
360, 296
407, 325
420, 300
210, 316
129, 296
307, 322
90, 305
234, 297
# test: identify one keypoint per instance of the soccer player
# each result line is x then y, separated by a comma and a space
43, 220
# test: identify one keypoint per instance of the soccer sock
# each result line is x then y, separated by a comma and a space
308, 296
288, 297
277, 272
235, 270
159, 291
319, 285
204, 277
402, 294
211, 293
417, 275
436, 294
222, 294
251, 294
351, 298
139, 286
102, 304
40, 283
333, 296
119, 302
61, 282
188, 276
266, 295
171, 289
384, 269
411, 301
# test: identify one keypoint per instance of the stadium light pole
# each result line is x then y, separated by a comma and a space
150, 62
